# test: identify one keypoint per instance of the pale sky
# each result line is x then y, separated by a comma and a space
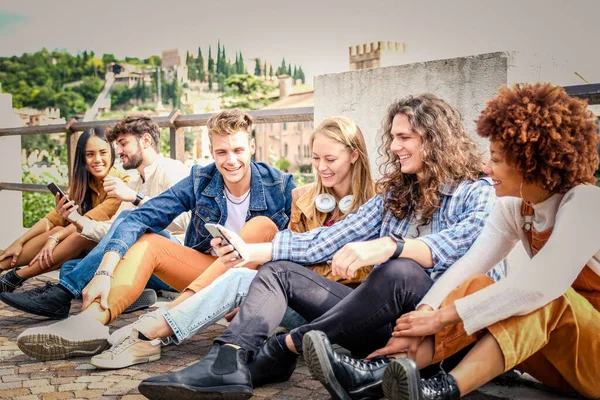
313, 33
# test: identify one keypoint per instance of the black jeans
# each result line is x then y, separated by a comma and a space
361, 320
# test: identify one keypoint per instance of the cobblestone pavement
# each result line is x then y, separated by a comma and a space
24, 378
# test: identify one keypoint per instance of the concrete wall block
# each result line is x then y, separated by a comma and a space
466, 83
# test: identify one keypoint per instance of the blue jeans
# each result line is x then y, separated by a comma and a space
211, 304
76, 274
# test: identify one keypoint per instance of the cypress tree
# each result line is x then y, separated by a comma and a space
257, 67
241, 68
265, 70
211, 62
200, 64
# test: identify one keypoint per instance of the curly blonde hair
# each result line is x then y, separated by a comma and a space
545, 134
449, 156
229, 122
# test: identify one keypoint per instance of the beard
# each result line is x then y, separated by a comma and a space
134, 160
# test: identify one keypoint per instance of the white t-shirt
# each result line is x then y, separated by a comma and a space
237, 209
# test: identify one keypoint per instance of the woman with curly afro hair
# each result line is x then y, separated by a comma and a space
544, 317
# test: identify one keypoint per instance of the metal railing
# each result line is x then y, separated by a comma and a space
175, 121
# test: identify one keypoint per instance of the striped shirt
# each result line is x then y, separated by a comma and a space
454, 227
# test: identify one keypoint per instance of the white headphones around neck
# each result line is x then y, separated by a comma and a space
325, 203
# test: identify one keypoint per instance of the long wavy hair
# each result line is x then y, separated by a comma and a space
448, 154
79, 186
343, 130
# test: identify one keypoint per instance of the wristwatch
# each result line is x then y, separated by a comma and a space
138, 198
399, 247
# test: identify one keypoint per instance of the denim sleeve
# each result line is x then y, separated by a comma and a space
319, 245
288, 186
450, 244
154, 215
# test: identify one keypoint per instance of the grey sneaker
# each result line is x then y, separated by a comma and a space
72, 337
146, 299
129, 351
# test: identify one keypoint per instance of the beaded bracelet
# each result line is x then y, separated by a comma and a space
104, 272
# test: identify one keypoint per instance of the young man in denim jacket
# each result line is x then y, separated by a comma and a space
251, 198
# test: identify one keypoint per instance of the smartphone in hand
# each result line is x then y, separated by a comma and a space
53, 187
215, 231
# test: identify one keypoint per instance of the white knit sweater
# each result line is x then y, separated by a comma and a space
575, 242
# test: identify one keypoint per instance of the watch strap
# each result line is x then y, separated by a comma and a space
399, 248
138, 198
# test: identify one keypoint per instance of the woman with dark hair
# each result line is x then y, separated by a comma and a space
52, 240
544, 317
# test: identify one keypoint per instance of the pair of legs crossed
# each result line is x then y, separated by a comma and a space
557, 344
360, 320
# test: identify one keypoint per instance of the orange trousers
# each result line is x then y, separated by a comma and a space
558, 344
179, 266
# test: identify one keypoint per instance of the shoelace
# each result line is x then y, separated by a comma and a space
39, 290
375, 362
438, 384
115, 349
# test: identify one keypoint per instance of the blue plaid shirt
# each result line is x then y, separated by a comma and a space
463, 211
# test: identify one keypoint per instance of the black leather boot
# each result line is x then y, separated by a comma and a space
273, 362
402, 381
344, 377
10, 281
222, 374
52, 301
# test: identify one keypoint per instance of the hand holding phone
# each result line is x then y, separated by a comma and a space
53, 187
216, 232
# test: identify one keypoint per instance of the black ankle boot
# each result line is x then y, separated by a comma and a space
273, 363
223, 373
403, 381
10, 281
52, 301
344, 377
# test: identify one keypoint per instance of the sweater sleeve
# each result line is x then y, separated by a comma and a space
546, 276
496, 240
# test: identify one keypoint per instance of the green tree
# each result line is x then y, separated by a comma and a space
282, 164
70, 103
257, 67
240, 67
176, 92
289, 70
301, 75
200, 66
271, 71
211, 62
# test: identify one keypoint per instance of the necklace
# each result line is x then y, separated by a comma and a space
235, 202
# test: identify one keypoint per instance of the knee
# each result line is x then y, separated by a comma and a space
402, 274
275, 269
258, 227
239, 275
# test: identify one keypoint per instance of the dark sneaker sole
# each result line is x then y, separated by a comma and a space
146, 299
22, 307
48, 347
318, 363
401, 380
163, 391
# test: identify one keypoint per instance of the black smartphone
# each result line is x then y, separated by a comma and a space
215, 231
53, 187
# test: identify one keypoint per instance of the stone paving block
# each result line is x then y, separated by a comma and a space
12, 393
14, 378
7, 371
89, 394
57, 396
30, 397
71, 387
11, 385
101, 385
60, 381
42, 375
36, 382
43, 389
122, 388
88, 378
85, 367
133, 397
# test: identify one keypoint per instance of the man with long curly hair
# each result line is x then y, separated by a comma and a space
544, 317
431, 208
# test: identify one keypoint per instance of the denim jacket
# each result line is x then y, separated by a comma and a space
202, 193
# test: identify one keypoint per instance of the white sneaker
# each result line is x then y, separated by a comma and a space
130, 351
146, 319
72, 337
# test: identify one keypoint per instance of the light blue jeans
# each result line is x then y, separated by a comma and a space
213, 302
